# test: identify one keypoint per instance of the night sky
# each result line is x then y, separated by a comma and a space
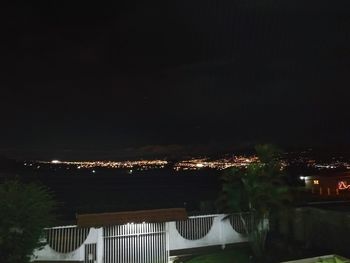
141, 78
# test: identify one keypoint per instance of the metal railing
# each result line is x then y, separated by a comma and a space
66, 239
242, 223
135, 243
196, 227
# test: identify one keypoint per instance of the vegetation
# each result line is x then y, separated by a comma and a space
260, 190
332, 260
25, 209
226, 256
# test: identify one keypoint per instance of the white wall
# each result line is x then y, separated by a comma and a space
48, 254
221, 233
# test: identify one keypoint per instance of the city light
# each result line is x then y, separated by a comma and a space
342, 185
218, 164
196, 164
140, 164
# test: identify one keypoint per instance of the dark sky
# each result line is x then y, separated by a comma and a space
100, 81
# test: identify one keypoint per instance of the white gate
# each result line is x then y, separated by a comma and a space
90, 253
136, 243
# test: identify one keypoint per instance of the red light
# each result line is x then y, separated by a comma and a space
342, 185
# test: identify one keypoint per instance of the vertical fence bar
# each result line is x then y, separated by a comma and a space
64, 239
136, 243
109, 244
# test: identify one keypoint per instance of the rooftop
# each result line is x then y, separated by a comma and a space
121, 218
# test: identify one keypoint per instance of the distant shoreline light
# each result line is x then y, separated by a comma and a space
192, 164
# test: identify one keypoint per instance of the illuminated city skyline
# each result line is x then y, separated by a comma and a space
192, 164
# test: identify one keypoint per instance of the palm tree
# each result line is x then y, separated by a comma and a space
260, 190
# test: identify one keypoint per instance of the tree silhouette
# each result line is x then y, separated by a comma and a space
258, 189
25, 209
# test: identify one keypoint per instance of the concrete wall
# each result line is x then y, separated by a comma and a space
318, 228
220, 233
48, 254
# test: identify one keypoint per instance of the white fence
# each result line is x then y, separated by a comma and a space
202, 231
140, 243
66, 239
59, 238
144, 243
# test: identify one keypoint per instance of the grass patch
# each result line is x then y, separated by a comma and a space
240, 255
